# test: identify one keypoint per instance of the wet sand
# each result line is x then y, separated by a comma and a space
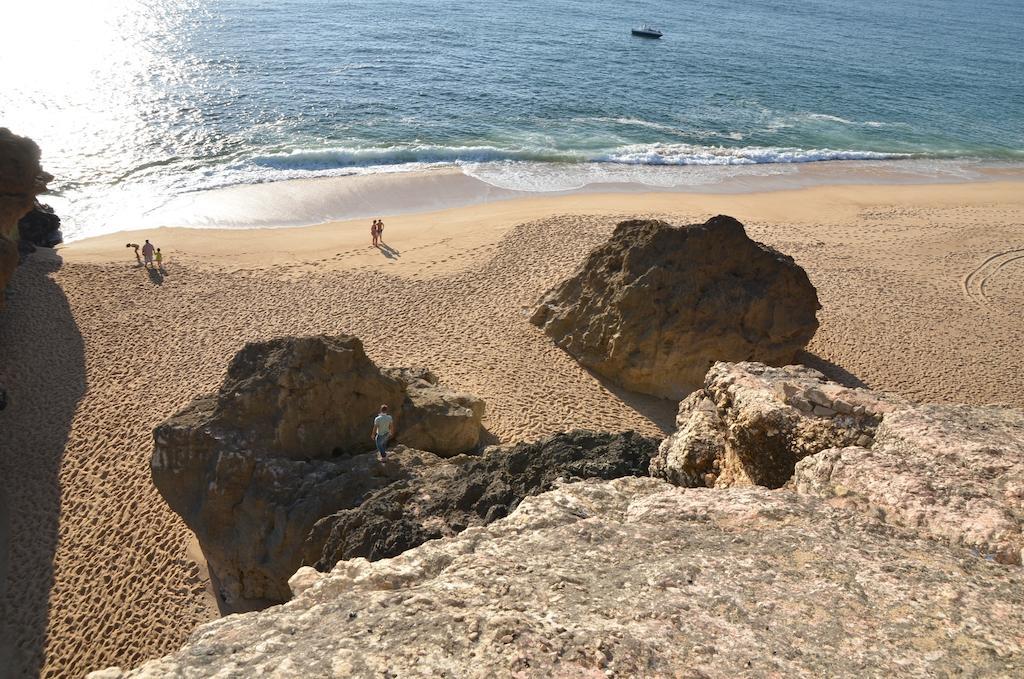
921, 288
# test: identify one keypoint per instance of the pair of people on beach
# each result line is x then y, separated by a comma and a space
377, 232
149, 254
383, 430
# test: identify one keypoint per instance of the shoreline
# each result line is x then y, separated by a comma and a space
426, 240
319, 200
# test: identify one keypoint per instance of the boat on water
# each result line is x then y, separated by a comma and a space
646, 31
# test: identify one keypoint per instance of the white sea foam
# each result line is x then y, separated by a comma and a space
855, 123
316, 161
686, 154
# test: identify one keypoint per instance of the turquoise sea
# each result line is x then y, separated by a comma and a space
138, 101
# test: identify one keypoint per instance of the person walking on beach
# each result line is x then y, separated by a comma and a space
383, 425
159, 259
380, 230
147, 253
374, 233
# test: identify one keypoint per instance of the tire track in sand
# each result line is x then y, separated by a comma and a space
974, 283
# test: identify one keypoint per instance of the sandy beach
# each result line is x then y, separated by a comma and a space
920, 287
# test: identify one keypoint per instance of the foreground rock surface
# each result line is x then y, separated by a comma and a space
656, 305
253, 467
751, 423
953, 472
634, 577
441, 500
21, 180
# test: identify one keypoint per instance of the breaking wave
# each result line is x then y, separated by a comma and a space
315, 161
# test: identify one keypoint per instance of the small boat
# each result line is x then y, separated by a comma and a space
646, 31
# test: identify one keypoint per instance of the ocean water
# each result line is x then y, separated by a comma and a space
139, 102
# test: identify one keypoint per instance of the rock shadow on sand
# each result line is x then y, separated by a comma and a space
834, 372
42, 366
659, 411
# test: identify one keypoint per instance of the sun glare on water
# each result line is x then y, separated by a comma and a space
87, 80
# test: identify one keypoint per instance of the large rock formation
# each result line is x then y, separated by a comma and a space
21, 180
953, 472
251, 468
656, 305
751, 423
634, 577
442, 500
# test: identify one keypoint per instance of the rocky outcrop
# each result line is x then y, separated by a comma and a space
40, 227
434, 418
654, 307
634, 577
952, 472
257, 513
442, 500
252, 468
21, 180
751, 424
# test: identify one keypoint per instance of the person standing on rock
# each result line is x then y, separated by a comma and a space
147, 253
383, 426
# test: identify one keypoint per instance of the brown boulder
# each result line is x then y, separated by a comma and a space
752, 423
252, 468
434, 418
654, 307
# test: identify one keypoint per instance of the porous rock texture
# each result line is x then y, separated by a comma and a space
253, 467
953, 472
434, 418
751, 423
630, 578
21, 180
441, 500
654, 307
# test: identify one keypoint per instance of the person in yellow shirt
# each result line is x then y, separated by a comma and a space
159, 259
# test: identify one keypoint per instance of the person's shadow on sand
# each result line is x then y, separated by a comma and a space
44, 381
156, 276
388, 251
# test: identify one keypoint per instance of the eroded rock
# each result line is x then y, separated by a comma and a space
253, 467
442, 500
751, 423
952, 472
21, 179
434, 418
654, 307
634, 577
